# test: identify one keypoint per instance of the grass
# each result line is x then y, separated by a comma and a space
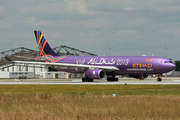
89, 102
92, 89
94, 107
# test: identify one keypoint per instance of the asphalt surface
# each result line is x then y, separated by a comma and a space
127, 81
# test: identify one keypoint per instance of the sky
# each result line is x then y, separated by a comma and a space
102, 27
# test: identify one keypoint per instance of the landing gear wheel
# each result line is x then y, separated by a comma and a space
87, 79
116, 79
83, 79
112, 79
91, 80
159, 79
109, 79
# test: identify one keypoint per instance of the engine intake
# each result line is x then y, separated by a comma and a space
95, 74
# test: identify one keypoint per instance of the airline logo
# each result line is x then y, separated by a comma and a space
150, 60
139, 65
94, 72
50, 58
41, 41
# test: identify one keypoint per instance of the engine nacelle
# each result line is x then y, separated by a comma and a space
138, 76
95, 74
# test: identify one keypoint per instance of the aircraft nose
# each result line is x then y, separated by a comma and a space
172, 66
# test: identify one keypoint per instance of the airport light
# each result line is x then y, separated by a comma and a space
166, 47
110, 50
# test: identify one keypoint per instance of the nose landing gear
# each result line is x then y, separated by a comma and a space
159, 78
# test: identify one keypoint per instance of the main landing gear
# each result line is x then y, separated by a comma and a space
87, 79
112, 79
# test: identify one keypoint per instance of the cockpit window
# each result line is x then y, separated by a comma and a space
167, 61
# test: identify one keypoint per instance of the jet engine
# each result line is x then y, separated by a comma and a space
138, 76
95, 74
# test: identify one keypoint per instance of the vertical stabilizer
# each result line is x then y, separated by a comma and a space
43, 45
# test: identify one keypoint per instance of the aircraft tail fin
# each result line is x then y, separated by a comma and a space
43, 45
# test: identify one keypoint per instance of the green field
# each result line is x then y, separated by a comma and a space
91, 89
89, 102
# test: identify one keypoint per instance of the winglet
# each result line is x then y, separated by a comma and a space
43, 45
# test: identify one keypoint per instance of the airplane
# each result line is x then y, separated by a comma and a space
97, 67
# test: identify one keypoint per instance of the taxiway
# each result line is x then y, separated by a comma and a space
122, 81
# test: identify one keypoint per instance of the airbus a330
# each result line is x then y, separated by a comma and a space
97, 67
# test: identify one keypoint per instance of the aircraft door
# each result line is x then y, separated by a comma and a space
155, 63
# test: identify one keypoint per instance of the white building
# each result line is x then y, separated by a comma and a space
32, 71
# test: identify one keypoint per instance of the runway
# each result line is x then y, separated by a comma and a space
122, 81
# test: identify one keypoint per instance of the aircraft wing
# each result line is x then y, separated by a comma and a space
106, 68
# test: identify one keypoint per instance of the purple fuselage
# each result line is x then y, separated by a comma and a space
125, 64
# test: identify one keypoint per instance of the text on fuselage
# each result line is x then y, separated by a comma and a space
104, 61
139, 65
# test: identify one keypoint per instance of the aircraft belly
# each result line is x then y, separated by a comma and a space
71, 70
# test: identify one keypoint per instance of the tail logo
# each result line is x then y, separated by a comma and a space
41, 41
50, 58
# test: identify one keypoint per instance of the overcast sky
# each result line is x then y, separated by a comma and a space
128, 27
